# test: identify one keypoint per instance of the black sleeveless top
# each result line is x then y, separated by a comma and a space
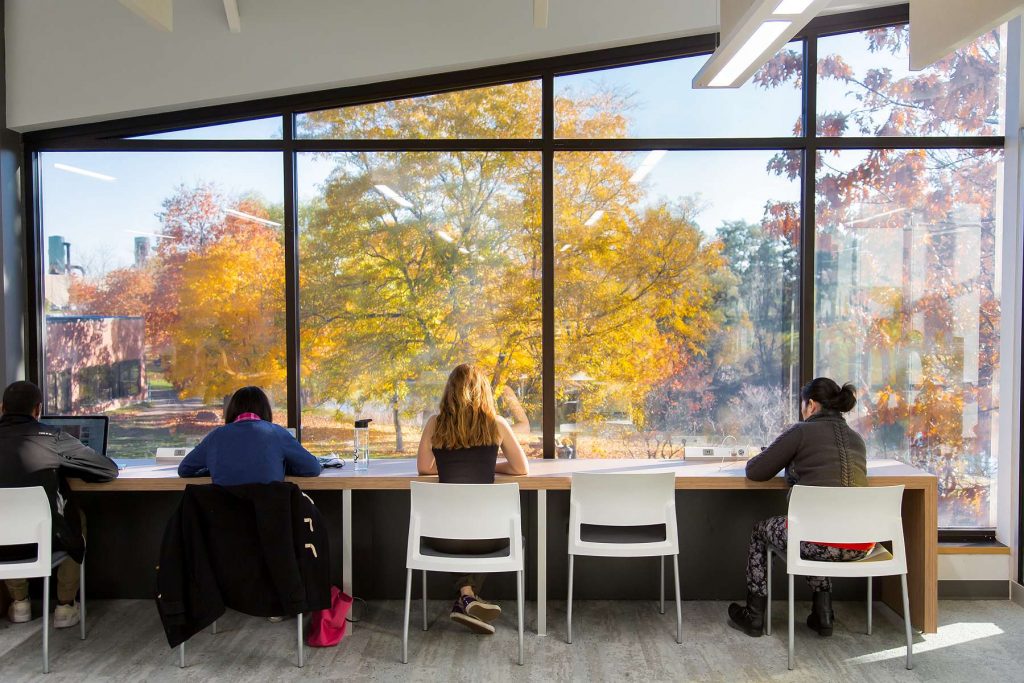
474, 465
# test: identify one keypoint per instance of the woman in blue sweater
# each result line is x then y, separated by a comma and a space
249, 448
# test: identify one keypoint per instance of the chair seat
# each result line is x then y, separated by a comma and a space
427, 549
863, 567
600, 533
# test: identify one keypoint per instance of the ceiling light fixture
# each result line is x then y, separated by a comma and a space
82, 171
749, 53
792, 6
594, 218
445, 236
751, 33
393, 196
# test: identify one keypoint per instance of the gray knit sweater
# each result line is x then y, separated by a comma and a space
820, 451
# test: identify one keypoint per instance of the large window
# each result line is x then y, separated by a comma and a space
675, 306
163, 290
411, 263
648, 269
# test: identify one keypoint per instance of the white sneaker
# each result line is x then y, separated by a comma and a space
66, 616
20, 611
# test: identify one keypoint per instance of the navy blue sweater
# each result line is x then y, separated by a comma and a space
249, 452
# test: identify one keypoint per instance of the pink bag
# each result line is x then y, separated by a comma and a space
327, 626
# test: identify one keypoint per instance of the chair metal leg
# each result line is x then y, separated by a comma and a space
424, 572
679, 601
661, 604
791, 610
869, 605
520, 607
46, 624
568, 608
906, 622
81, 599
213, 627
301, 657
181, 656
768, 604
405, 621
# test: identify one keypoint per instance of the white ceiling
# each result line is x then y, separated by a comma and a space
72, 61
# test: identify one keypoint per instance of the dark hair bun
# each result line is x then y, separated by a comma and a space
845, 400
829, 395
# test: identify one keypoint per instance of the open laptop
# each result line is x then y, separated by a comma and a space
89, 429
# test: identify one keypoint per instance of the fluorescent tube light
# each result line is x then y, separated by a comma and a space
393, 196
445, 236
754, 48
792, 6
565, 247
250, 217
647, 165
82, 171
594, 218
463, 250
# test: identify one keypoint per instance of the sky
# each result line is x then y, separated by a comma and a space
101, 217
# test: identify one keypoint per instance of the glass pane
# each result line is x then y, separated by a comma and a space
256, 129
657, 101
675, 301
501, 111
164, 289
410, 264
907, 308
866, 88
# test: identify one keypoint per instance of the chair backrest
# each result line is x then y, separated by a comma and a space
623, 499
465, 511
26, 520
861, 514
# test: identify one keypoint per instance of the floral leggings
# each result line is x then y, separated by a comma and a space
773, 531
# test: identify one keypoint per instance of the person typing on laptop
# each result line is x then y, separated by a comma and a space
35, 454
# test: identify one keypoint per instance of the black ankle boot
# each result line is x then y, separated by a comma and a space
749, 618
822, 617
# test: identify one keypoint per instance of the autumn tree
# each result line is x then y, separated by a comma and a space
906, 243
416, 261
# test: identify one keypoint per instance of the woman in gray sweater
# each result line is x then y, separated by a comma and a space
821, 450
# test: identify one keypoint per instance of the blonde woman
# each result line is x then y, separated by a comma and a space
460, 444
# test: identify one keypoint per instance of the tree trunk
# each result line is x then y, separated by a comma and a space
399, 443
520, 422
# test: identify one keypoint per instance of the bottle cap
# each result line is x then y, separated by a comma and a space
364, 422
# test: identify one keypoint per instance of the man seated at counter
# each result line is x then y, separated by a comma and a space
249, 448
35, 454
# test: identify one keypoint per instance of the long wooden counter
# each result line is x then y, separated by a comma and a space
920, 506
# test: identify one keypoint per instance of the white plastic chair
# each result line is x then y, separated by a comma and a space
868, 514
463, 511
26, 515
626, 515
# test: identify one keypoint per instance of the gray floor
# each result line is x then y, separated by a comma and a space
614, 641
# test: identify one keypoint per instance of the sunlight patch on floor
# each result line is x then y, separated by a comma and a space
948, 636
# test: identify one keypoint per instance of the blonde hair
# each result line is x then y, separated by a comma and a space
468, 416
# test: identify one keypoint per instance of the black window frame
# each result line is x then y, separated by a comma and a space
113, 136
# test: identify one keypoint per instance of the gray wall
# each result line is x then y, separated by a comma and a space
12, 252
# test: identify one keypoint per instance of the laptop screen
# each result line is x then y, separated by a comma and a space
89, 429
